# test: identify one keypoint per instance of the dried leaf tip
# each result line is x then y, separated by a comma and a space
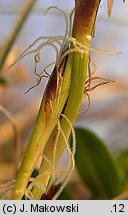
110, 5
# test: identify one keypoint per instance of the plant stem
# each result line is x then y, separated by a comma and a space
42, 130
13, 35
71, 110
69, 85
83, 27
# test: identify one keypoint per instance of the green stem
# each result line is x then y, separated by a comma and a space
67, 102
83, 27
13, 35
41, 133
79, 70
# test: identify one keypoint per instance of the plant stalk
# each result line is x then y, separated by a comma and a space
51, 107
85, 16
70, 90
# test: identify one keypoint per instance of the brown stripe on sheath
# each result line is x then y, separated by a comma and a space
53, 87
51, 92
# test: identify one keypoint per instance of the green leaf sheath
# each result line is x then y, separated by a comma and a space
78, 77
85, 15
69, 88
72, 106
80, 64
40, 135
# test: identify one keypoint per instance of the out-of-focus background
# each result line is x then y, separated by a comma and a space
108, 113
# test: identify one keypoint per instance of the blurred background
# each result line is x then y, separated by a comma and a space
108, 113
